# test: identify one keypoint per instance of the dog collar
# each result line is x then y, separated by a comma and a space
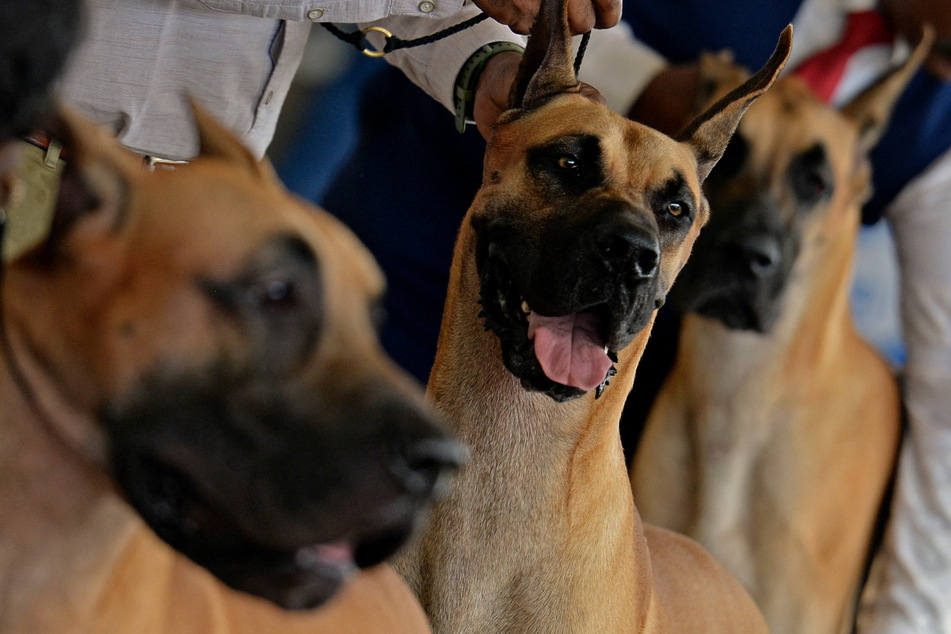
463, 93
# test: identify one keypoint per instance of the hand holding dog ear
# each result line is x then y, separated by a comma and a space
494, 88
583, 15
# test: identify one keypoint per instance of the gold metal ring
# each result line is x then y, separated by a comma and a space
369, 52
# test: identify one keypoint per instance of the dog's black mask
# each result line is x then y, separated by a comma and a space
275, 491
560, 269
590, 265
742, 262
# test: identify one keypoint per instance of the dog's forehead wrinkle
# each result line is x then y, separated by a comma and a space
674, 188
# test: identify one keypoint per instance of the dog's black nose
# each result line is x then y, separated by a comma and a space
419, 465
761, 254
623, 244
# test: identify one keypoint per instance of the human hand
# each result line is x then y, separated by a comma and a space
908, 17
495, 84
583, 15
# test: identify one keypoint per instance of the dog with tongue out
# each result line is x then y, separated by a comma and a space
582, 222
565, 295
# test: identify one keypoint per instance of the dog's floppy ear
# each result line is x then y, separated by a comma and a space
872, 108
710, 132
546, 68
217, 141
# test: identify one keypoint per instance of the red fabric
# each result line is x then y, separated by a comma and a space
824, 70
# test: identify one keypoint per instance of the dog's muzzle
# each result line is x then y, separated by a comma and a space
277, 496
564, 304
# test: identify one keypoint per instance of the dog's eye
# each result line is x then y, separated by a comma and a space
273, 293
811, 184
567, 162
676, 209
811, 175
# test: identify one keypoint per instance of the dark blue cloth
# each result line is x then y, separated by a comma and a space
328, 132
404, 192
682, 29
919, 132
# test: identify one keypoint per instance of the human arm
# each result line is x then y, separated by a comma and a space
583, 15
435, 67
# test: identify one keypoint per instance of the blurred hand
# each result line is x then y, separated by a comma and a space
494, 86
583, 15
909, 16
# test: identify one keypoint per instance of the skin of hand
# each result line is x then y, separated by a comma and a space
583, 15
908, 17
494, 85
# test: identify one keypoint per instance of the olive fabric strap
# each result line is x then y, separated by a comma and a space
463, 96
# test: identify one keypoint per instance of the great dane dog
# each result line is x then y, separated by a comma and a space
773, 440
583, 221
198, 345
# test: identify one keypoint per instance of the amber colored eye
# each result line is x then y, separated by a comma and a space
676, 209
567, 162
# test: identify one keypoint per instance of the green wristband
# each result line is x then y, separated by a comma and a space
463, 94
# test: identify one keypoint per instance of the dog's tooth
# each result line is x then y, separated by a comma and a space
525, 307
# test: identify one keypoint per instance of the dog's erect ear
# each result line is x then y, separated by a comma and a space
871, 110
719, 74
546, 68
94, 185
710, 132
217, 141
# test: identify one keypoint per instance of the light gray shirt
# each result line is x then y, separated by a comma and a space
142, 58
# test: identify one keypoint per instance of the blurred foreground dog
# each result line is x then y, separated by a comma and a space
200, 344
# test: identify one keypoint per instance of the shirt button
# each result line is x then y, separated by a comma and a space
315, 14
426, 6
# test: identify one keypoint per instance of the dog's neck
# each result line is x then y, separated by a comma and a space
540, 526
60, 521
64, 531
804, 348
813, 329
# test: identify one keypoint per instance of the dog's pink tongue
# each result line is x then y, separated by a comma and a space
337, 554
569, 349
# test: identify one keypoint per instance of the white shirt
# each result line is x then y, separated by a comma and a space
140, 59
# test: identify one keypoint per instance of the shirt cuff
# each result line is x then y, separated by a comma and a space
434, 67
